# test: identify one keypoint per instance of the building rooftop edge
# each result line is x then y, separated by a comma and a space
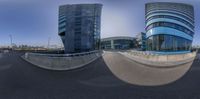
171, 3
82, 4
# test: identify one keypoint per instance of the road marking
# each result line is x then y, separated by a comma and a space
102, 81
4, 67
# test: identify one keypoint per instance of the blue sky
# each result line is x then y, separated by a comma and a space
34, 21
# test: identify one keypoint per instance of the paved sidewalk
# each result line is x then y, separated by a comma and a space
158, 64
140, 74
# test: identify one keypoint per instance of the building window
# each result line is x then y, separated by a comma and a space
161, 44
170, 25
186, 17
168, 43
171, 17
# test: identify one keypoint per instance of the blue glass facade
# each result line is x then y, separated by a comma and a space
141, 41
79, 27
169, 26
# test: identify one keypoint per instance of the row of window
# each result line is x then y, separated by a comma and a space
170, 25
62, 30
189, 12
62, 25
168, 43
118, 44
171, 17
61, 20
184, 16
78, 13
77, 29
175, 7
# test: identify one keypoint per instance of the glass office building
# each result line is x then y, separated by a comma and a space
79, 27
169, 26
141, 41
119, 43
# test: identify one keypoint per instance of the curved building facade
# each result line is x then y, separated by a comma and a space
169, 26
119, 42
79, 27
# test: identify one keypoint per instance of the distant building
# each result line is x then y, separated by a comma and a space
141, 41
119, 42
79, 27
169, 27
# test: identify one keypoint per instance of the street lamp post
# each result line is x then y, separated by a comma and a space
48, 42
11, 40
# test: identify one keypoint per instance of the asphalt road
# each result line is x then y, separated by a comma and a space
22, 80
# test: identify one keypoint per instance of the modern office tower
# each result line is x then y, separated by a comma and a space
169, 27
79, 27
119, 42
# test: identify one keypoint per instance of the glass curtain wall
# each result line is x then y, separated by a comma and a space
168, 43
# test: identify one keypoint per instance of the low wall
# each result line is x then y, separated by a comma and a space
61, 61
158, 60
